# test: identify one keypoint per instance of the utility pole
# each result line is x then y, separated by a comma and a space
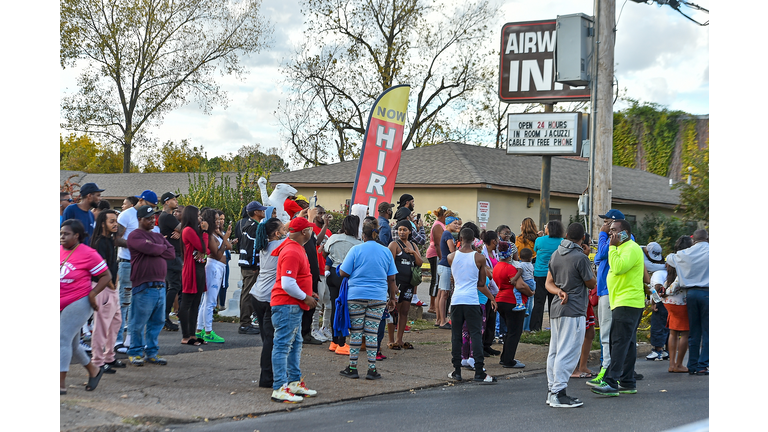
546, 173
602, 110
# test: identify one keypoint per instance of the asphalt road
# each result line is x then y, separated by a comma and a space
664, 401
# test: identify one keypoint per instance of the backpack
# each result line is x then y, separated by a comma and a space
249, 256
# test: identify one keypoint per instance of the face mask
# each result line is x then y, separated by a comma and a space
623, 236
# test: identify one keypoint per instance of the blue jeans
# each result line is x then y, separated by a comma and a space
698, 320
124, 280
147, 310
286, 349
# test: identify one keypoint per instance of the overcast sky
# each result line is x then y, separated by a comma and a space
660, 57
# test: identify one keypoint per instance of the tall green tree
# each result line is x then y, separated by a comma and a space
81, 153
172, 157
143, 58
356, 49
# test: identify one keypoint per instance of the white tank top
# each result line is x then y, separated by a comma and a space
464, 272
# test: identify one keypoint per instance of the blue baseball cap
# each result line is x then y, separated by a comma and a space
254, 206
148, 196
612, 214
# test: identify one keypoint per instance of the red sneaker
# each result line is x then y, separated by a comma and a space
407, 329
380, 356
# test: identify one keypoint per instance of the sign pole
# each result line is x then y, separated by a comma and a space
546, 172
603, 112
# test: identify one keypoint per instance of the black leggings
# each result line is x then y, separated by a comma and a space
264, 316
334, 286
539, 297
190, 304
433, 282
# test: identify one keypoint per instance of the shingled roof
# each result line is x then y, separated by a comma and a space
125, 184
440, 165
462, 164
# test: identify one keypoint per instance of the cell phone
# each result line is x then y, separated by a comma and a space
313, 201
418, 217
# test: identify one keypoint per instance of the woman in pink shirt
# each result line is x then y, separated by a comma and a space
433, 254
77, 300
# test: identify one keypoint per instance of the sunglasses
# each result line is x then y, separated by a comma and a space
68, 200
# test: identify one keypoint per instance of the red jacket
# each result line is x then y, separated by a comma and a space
191, 244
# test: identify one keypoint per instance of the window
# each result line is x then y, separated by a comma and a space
632, 219
554, 214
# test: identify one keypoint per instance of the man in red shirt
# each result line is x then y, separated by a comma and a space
291, 295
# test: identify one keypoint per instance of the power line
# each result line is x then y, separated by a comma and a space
675, 4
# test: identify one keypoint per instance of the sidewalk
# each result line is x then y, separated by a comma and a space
214, 382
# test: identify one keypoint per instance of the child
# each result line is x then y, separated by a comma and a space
527, 268
519, 306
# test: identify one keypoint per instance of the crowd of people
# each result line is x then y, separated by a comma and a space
126, 272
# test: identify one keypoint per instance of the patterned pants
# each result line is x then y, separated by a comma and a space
466, 341
364, 318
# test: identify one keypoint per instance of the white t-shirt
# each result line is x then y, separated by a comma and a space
130, 222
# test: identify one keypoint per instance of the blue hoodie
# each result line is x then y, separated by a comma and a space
601, 261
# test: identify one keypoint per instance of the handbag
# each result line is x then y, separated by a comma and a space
416, 276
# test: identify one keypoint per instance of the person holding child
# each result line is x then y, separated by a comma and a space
511, 295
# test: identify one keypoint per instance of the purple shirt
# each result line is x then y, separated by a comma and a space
149, 250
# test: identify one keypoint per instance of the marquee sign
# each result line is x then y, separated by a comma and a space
527, 67
544, 134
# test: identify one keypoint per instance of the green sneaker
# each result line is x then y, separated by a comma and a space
200, 334
213, 337
598, 380
627, 390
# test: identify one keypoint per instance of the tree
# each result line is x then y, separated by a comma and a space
172, 157
694, 198
145, 58
367, 47
81, 153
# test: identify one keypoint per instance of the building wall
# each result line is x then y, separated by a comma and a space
506, 207
462, 200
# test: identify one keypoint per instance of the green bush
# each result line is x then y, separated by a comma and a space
664, 230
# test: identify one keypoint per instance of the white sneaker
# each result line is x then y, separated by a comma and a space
415, 299
549, 396
300, 389
654, 355
317, 334
327, 333
664, 355
285, 396
561, 400
465, 363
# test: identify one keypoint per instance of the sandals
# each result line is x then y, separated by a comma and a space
195, 342
407, 345
62, 392
583, 375
94, 381
394, 346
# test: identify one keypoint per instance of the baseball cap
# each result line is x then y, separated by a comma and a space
254, 206
301, 198
298, 224
654, 251
384, 206
144, 211
404, 198
89, 188
148, 196
168, 195
612, 214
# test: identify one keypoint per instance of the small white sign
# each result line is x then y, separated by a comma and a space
483, 211
544, 133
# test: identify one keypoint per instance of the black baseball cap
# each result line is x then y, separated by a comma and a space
404, 198
89, 188
144, 211
168, 195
